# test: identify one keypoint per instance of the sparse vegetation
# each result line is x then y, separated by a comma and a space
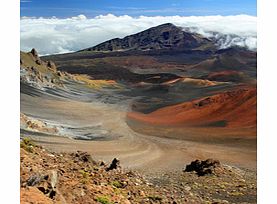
154, 197
96, 84
117, 184
27, 144
85, 176
103, 200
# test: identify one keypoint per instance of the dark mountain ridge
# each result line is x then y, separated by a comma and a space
165, 36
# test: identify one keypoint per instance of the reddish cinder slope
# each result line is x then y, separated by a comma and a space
236, 108
227, 75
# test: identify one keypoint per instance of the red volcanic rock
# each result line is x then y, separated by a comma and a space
236, 108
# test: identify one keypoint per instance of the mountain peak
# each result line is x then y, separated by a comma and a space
162, 37
166, 25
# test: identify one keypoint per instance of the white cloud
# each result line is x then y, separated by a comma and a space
53, 35
79, 17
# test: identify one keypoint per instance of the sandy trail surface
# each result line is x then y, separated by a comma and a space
116, 139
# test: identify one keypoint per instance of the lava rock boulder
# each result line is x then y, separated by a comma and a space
203, 168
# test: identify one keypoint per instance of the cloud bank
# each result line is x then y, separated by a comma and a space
53, 35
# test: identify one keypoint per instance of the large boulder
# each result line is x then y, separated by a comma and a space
202, 168
46, 183
114, 165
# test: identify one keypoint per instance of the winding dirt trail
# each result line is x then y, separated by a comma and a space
135, 151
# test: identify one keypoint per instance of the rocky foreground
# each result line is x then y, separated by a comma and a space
49, 177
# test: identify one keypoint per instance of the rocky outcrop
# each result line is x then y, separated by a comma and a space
39, 73
34, 53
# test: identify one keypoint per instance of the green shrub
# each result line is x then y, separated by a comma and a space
155, 198
27, 144
117, 184
85, 176
103, 200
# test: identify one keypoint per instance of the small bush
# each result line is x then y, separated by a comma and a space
85, 176
155, 198
27, 144
117, 184
103, 200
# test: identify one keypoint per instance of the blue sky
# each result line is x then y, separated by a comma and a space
92, 8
